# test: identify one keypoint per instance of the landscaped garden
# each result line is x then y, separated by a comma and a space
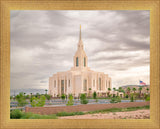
20, 101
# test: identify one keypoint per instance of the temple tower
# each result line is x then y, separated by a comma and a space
80, 59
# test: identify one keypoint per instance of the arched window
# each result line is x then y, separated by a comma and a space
54, 83
76, 61
69, 83
84, 62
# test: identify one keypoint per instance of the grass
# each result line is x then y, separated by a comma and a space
118, 109
37, 116
69, 113
17, 114
113, 110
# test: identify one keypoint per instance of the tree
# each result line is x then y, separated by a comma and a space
128, 90
46, 91
21, 99
114, 89
90, 91
140, 89
48, 97
37, 95
147, 90
131, 99
63, 97
83, 99
109, 89
94, 95
70, 101
24, 94
27, 96
38, 102
134, 89
31, 97
120, 89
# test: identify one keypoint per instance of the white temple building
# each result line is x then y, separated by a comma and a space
80, 78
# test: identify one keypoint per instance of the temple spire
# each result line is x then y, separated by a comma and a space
80, 33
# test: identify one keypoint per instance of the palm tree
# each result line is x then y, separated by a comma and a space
114, 89
128, 90
134, 89
147, 90
109, 89
24, 94
46, 91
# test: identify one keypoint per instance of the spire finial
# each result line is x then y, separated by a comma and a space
80, 33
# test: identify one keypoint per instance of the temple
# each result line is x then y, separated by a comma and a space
80, 78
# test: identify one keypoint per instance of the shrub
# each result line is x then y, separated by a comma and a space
126, 96
69, 113
30, 115
16, 114
83, 99
63, 97
148, 98
70, 101
27, 97
38, 102
115, 100
109, 95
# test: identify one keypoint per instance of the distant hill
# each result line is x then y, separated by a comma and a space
144, 87
135, 86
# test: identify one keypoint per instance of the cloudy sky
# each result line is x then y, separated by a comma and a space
44, 42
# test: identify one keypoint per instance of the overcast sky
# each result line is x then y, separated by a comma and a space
44, 42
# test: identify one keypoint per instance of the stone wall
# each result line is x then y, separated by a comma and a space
78, 108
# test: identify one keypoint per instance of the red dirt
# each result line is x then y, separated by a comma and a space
139, 114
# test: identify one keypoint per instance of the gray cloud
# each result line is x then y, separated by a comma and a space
44, 42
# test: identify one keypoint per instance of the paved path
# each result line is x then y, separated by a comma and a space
138, 114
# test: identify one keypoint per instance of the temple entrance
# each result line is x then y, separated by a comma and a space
62, 87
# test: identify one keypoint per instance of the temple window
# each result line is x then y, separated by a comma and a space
69, 83
84, 62
77, 61
93, 83
99, 83
54, 83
